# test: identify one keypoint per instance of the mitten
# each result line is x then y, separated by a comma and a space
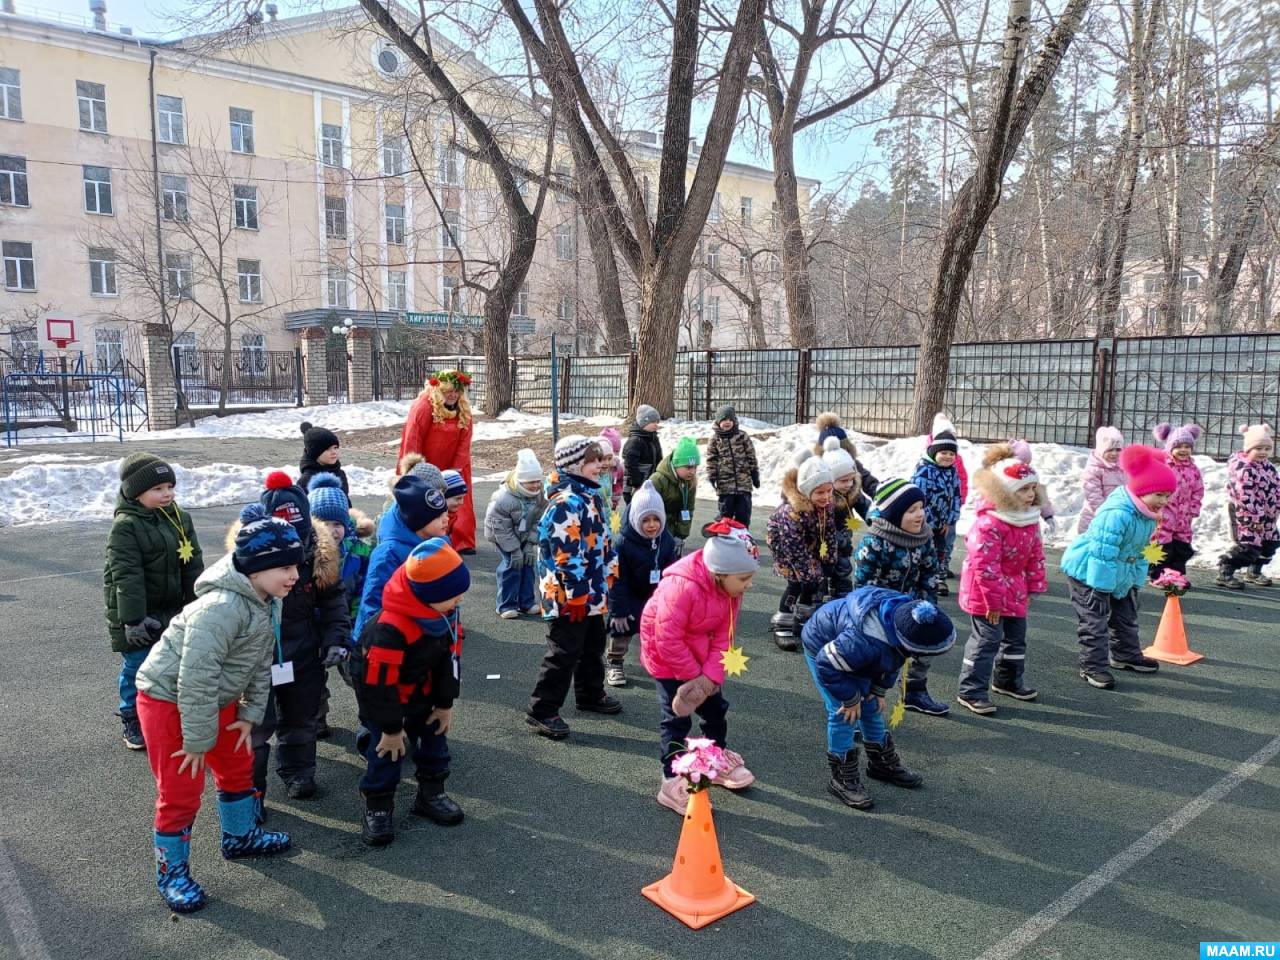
755, 478
515, 560
692, 694
576, 609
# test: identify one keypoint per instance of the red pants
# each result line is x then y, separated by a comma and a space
178, 794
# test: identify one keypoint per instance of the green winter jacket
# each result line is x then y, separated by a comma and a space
216, 651
677, 498
142, 575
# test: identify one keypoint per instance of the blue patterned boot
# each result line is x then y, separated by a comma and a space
241, 835
173, 876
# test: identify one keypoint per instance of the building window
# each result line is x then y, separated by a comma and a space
253, 351
392, 156
744, 211
184, 348
335, 218
337, 287
744, 263
23, 344
397, 290
713, 311
173, 198
714, 215
108, 349
451, 230
10, 94
564, 241
97, 190
91, 99
713, 257
1251, 312
246, 201
450, 165
241, 130
451, 290
775, 267
774, 219
178, 275
1190, 281
102, 272
1151, 316
331, 144
13, 182
1151, 283
564, 176
1124, 288
518, 167
521, 308
173, 123
395, 223
565, 310
19, 265
249, 280
1189, 314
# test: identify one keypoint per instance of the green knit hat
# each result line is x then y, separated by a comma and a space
139, 472
686, 453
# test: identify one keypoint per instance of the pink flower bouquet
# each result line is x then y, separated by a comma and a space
700, 763
1172, 583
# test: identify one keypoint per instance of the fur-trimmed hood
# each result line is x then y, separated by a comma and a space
795, 499
994, 492
363, 523
323, 552
830, 419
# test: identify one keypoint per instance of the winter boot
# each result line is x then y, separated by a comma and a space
260, 807
784, 630
377, 813
436, 805
241, 835
132, 732
1255, 577
846, 785
1227, 578
919, 701
883, 763
1007, 683
173, 876
802, 613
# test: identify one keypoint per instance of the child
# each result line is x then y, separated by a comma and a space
615, 443
938, 480
1003, 566
642, 452
152, 563
455, 495
511, 524
606, 477
899, 553
844, 498
406, 678
320, 455
332, 512
676, 481
315, 633
644, 550
942, 422
1102, 474
684, 632
801, 533
1176, 519
1022, 450
1105, 567
732, 468
828, 426
1253, 492
855, 648
412, 463
202, 690
576, 567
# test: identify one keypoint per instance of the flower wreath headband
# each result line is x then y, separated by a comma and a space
455, 379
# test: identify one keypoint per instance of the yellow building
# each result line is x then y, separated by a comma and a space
289, 195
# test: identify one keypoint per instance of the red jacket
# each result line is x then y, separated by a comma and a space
685, 625
445, 444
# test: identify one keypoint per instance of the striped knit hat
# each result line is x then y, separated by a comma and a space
572, 450
264, 541
435, 571
894, 498
454, 484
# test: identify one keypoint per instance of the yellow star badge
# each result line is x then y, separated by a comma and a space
854, 523
615, 523
734, 661
186, 551
1153, 553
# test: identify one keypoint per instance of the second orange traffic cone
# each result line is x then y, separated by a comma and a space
696, 891
1171, 637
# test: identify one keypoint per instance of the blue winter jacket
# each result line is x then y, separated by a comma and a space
638, 558
941, 489
395, 542
1108, 556
854, 645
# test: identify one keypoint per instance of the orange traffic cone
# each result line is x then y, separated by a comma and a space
696, 891
1171, 637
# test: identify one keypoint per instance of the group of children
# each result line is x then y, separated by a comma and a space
217, 662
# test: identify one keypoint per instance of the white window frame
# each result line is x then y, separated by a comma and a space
108, 348
774, 217
520, 311
97, 190
1190, 281
242, 138
451, 166
337, 288
745, 210
246, 206
566, 309
249, 280
331, 144
186, 346
171, 120
744, 263
1151, 318
174, 198
713, 310
564, 174
393, 223
1189, 315
1151, 283
102, 272
253, 353
393, 156
335, 217
713, 257
451, 221
452, 296
19, 264
714, 215
397, 290
10, 94
13, 181
775, 267
94, 108
564, 241
179, 276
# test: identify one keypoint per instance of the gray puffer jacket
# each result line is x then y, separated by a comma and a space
511, 520
216, 651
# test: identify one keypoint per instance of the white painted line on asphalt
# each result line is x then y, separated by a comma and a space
1139, 850
18, 912
50, 576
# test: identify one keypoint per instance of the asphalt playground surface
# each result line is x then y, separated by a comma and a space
1016, 811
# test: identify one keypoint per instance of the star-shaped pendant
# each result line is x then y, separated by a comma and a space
1153, 553
734, 661
615, 523
854, 523
186, 551
822, 550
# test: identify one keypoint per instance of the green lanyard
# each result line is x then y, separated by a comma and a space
275, 627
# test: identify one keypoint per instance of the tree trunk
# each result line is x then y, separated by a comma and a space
661, 300
796, 279
755, 320
617, 331
224, 387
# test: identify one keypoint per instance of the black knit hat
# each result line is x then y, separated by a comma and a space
264, 541
726, 413
894, 498
418, 501
139, 472
942, 442
285, 499
316, 440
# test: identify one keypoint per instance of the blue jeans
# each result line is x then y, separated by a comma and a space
428, 748
675, 730
870, 722
129, 678
515, 584
951, 542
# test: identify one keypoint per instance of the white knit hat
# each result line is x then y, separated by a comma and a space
837, 458
812, 472
1014, 474
646, 502
571, 451
730, 548
528, 468
1256, 435
1107, 438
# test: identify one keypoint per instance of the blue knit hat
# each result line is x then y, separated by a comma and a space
894, 498
435, 571
285, 499
264, 541
418, 502
837, 432
328, 502
923, 630
454, 485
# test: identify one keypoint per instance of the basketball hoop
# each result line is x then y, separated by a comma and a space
60, 332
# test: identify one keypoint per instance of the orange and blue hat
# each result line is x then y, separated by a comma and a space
435, 571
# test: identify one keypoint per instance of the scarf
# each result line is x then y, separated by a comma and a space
1019, 518
897, 536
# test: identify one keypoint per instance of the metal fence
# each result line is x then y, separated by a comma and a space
253, 377
78, 402
335, 368
597, 386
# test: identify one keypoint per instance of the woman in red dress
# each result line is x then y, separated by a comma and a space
439, 428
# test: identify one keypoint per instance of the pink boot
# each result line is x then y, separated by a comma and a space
737, 777
674, 794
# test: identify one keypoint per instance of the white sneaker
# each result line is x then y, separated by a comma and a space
674, 794
615, 675
737, 777
534, 611
509, 614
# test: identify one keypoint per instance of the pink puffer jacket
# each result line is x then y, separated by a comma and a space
1184, 506
685, 624
1003, 562
1099, 480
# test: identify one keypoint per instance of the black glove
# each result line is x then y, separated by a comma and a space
335, 655
143, 634
755, 479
